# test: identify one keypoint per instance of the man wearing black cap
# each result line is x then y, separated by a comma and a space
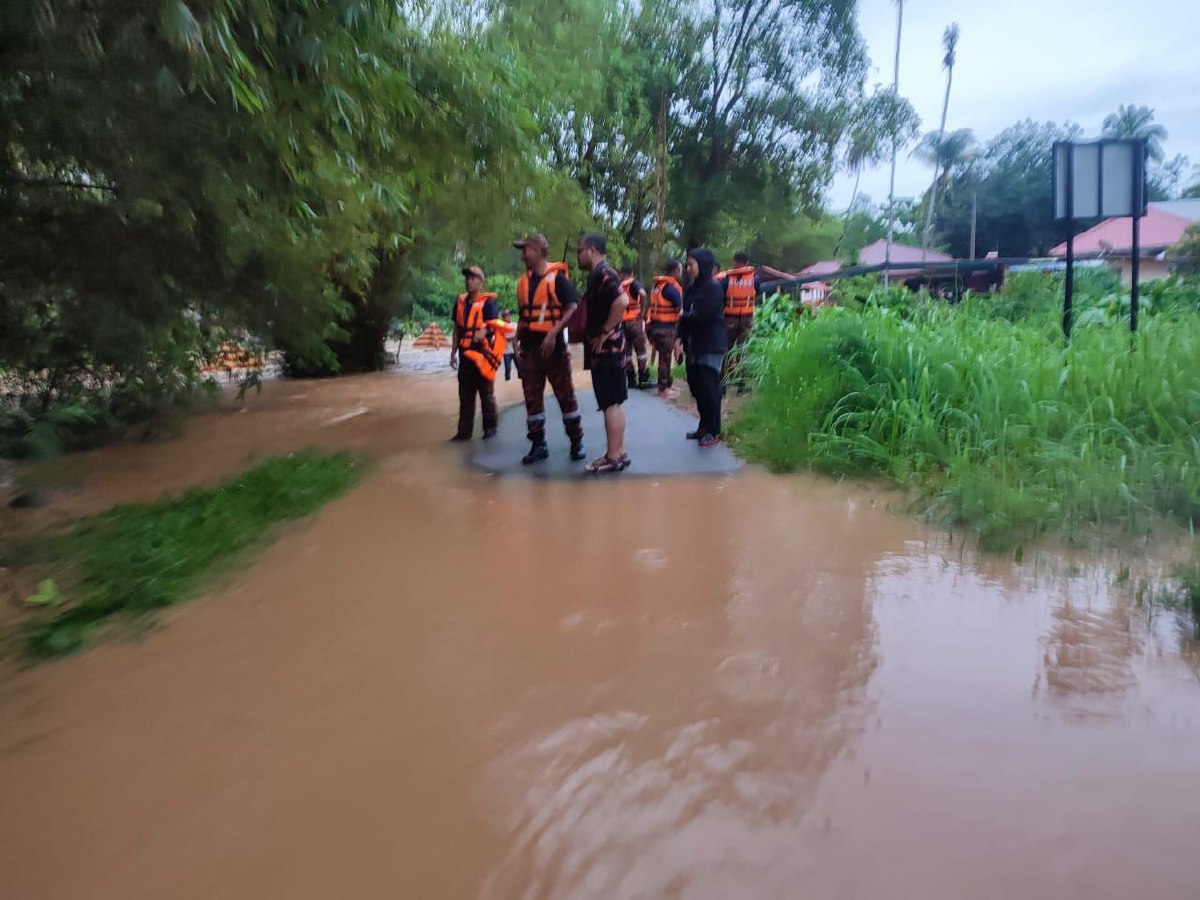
545, 301
471, 311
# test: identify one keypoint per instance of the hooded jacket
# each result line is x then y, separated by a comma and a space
702, 320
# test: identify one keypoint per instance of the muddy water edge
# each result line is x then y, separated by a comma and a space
743, 687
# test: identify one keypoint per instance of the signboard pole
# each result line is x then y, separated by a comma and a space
1069, 288
1139, 150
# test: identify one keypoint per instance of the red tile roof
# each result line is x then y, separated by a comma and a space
1159, 229
823, 267
876, 253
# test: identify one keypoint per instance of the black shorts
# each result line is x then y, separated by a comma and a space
608, 381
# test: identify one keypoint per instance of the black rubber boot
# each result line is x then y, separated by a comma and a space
537, 452
489, 433
577, 451
644, 381
631, 380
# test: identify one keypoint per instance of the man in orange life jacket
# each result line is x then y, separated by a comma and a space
471, 311
741, 285
635, 330
545, 300
666, 300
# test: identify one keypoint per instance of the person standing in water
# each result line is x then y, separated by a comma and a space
704, 341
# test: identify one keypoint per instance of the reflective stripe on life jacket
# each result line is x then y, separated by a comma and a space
662, 310
489, 353
739, 291
542, 311
469, 319
633, 311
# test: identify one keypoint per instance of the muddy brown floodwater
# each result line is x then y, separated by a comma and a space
451, 685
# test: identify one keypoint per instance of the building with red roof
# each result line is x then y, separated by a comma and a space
876, 254
1112, 240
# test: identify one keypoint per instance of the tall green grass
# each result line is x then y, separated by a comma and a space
994, 423
135, 559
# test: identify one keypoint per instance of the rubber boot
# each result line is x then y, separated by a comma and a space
630, 379
537, 452
577, 451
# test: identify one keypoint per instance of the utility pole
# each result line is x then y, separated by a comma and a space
891, 230
974, 216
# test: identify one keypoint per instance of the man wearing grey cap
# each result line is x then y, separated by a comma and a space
545, 300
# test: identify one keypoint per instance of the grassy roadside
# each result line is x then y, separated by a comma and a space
134, 559
992, 423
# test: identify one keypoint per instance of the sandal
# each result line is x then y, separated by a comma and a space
603, 464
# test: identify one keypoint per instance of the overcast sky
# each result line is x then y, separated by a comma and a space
1048, 60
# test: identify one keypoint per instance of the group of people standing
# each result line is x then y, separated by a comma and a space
692, 312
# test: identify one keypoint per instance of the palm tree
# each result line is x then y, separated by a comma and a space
946, 154
950, 45
1132, 123
887, 254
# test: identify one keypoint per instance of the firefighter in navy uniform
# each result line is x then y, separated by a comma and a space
471, 311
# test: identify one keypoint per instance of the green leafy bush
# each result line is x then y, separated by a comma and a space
996, 424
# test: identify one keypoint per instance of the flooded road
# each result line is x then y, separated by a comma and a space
452, 685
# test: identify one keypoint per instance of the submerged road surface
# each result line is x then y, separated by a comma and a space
451, 684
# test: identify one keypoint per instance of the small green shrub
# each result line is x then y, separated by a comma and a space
135, 559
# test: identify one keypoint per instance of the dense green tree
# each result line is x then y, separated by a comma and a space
948, 155
1131, 122
1011, 179
764, 120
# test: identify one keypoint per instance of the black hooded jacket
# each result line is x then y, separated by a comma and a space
702, 320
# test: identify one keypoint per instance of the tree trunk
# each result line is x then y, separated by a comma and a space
933, 189
891, 229
849, 209
660, 183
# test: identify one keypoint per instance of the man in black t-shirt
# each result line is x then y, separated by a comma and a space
606, 302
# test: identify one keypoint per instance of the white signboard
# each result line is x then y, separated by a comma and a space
1104, 178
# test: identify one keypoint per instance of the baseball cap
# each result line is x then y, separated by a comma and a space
536, 240
473, 270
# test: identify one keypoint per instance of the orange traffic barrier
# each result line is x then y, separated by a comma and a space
432, 338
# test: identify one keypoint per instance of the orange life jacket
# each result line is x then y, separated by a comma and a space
739, 291
469, 319
488, 354
662, 310
633, 311
542, 311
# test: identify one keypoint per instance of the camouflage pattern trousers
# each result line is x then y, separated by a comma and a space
536, 370
737, 330
662, 336
635, 342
